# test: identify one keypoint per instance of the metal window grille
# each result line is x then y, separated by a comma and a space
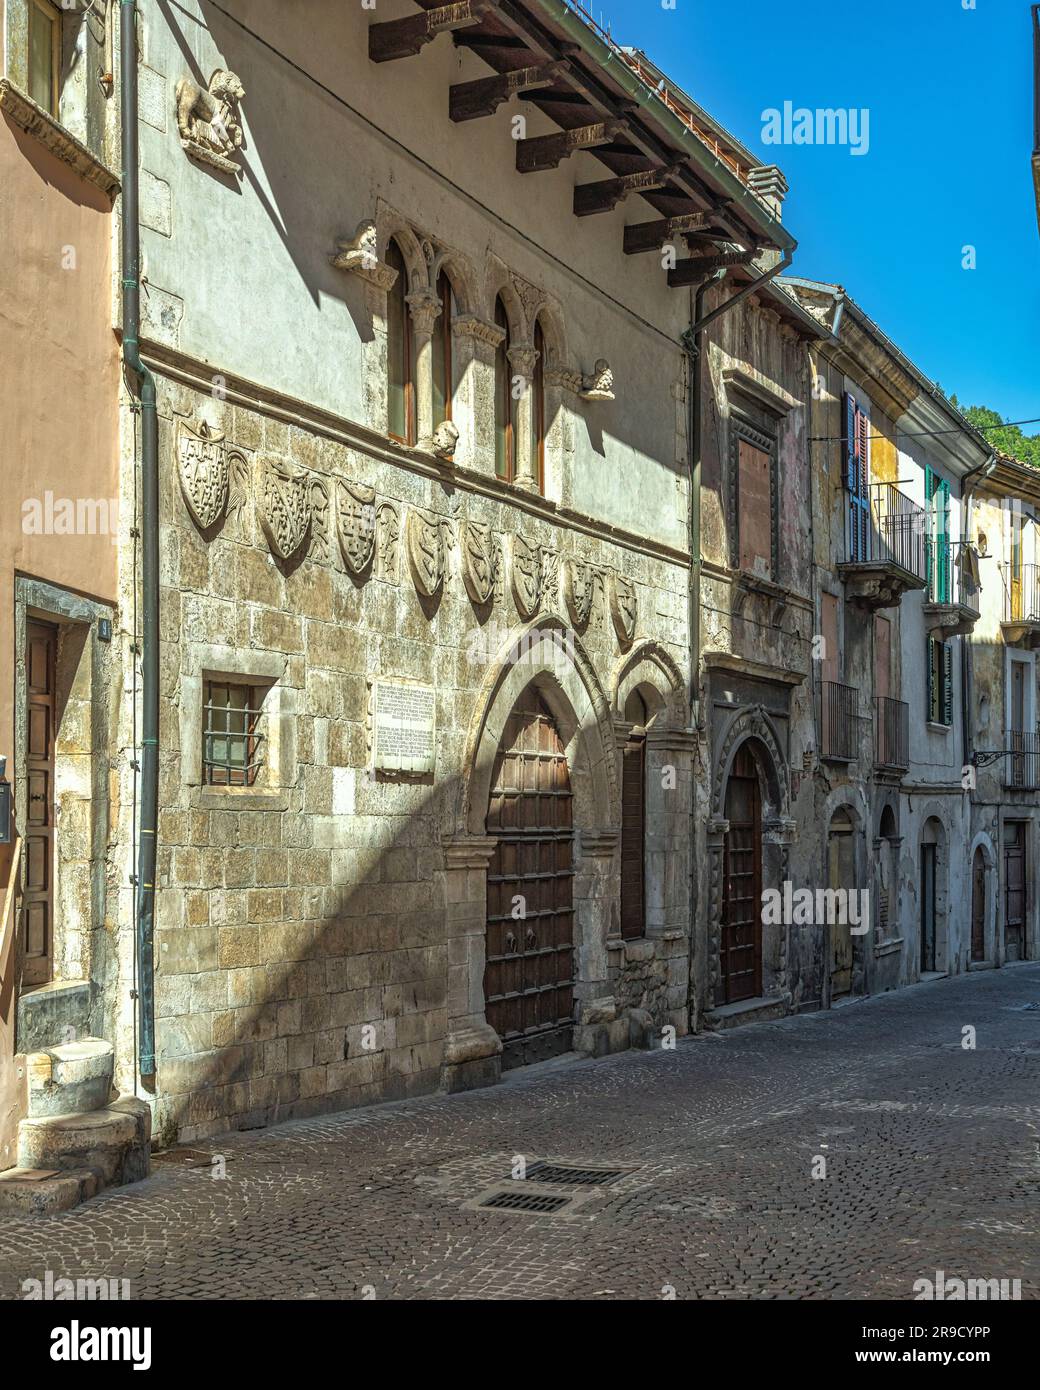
231, 735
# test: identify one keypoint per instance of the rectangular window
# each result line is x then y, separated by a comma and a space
940, 682
44, 54
857, 478
755, 502
231, 733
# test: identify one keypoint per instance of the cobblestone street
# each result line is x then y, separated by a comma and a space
932, 1164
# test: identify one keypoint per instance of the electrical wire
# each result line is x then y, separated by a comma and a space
922, 434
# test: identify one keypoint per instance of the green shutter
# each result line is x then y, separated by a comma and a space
930, 663
947, 684
929, 487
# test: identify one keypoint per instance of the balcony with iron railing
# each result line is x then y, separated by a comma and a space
892, 734
884, 547
1021, 621
951, 605
839, 718
1022, 761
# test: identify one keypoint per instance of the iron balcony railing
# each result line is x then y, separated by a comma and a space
1022, 762
892, 746
951, 571
839, 714
1021, 594
893, 533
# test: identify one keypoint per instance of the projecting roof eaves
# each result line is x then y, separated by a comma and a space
710, 168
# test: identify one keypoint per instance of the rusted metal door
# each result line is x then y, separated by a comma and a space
741, 944
978, 906
1014, 890
529, 972
37, 913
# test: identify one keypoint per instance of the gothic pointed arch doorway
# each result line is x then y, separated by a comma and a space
530, 966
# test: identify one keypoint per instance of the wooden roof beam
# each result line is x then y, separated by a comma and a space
694, 270
605, 194
468, 100
403, 38
541, 152
651, 236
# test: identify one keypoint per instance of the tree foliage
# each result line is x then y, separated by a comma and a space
1009, 439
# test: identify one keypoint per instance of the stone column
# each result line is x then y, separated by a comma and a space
476, 393
778, 835
472, 1049
596, 908
522, 361
424, 307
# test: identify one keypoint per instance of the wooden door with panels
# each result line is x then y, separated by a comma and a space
529, 964
741, 940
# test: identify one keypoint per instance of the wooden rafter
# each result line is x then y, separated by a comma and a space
468, 100
403, 38
605, 194
651, 236
693, 271
540, 152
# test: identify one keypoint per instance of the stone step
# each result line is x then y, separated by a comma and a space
24, 1193
70, 1079
113, 1144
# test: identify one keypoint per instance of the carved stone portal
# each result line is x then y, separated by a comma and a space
579, 588
207, 121
624, 605
359, 255
478, 561
284, 507
526, 574
425, 551
356, 525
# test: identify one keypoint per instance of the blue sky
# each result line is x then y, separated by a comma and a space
949, 92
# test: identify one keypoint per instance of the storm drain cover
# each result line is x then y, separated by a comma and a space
543, 1202
561, 1174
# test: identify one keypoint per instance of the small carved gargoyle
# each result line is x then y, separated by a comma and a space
359, 255
208, 120
600, 385
445, 438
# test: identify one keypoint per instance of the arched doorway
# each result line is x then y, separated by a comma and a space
741, 935
841, 874
978, 906
529, 963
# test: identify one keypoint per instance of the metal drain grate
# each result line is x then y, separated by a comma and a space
544, 1202
563, 1175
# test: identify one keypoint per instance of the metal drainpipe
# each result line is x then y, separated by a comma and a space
136, 371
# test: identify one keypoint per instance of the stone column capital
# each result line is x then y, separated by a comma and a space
523, 358
468, 851
424, 307
599, 843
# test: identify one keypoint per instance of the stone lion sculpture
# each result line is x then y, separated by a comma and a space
208, 120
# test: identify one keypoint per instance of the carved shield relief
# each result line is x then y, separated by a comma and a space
425, 551
356, 525
526, 574
623, 607
478, 561
284, 506
579, 585
202, 465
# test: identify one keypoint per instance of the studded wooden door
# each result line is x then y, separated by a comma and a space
529, 972
741, 944
37, 907
978, 906
1014, 890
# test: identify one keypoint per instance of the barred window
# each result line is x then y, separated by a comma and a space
232, 736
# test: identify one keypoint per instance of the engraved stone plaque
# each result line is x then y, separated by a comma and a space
403, 727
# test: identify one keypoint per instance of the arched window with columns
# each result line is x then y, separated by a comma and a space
538, 408
443, 356
505, 406
400, 353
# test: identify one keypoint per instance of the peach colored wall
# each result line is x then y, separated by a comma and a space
59, 396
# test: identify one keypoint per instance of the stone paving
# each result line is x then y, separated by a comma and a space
932, 1154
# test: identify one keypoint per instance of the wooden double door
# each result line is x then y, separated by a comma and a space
741, 937
1014, 890
529, 970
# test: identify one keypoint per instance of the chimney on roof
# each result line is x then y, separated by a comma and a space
768, 184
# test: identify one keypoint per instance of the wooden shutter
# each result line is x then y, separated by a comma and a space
947, 683
856, 476
932, 712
